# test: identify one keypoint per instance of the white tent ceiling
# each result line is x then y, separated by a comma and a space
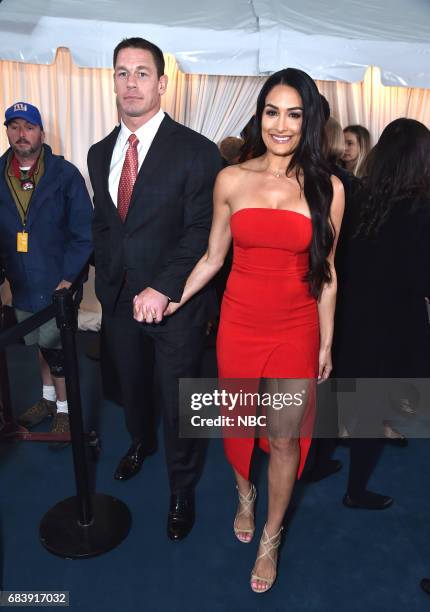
330, 39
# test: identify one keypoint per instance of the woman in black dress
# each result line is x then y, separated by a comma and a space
383, 266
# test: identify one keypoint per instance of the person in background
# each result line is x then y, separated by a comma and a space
45, 241
248, 135
230, 149
320, 464
325, 107
357, 147
383, 248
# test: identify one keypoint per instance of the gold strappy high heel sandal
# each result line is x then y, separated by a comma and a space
247, 510
270, 547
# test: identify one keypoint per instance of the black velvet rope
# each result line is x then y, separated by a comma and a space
39, 318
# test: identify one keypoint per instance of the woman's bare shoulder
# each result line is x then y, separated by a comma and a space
337, 184
232, 175
238, 171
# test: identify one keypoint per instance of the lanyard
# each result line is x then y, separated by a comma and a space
29, 180
24, 212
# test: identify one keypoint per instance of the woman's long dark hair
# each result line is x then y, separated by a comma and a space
308, 158
248, 135
398, 170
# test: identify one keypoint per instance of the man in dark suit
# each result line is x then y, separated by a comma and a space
152, 180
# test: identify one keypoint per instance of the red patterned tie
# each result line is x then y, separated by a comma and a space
128, 177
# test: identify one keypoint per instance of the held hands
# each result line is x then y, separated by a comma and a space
63, 285
171, 308
324, 365
149, 306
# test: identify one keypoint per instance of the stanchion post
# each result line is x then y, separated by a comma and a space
85, 525
7, 424
67, 324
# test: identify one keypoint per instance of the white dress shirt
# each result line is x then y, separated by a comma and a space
145, 135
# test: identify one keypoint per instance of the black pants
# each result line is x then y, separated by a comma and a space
364, 451
149, 364
364, 455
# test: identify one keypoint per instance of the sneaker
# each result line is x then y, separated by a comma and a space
60, 425
37, 413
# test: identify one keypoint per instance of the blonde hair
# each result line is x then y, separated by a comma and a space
363, 138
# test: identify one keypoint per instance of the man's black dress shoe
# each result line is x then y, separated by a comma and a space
180, 519
425, 585
368, 501
131, 463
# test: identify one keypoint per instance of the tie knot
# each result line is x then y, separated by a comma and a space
133, 140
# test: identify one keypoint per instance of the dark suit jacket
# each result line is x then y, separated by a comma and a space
167, 227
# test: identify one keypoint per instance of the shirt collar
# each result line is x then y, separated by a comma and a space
36, 165
145, 131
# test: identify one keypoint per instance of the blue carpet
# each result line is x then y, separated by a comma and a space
332, 558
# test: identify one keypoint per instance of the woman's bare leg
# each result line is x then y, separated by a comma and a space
283, 466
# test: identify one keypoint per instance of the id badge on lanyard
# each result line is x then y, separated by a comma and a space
22, 242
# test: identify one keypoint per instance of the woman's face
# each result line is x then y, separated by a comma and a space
281, 122
352, 148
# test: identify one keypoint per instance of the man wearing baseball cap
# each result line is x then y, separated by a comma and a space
23, 110
45, 240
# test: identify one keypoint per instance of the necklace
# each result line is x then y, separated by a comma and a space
276, 173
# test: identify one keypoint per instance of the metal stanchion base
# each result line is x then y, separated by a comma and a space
10, 430
61, 533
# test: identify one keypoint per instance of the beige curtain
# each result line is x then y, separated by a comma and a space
78, 106
371, 104
216, 106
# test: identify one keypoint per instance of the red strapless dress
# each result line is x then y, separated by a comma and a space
269, 321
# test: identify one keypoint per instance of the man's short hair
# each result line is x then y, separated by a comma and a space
230, 148
146, 45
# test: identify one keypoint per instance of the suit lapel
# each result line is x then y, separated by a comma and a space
103, 168
154, 157
105, 161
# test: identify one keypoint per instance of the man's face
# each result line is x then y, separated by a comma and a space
25, 138
136, 84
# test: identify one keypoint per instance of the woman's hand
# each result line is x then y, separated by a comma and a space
171, 308
325, 365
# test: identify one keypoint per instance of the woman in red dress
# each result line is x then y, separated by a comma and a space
283, 210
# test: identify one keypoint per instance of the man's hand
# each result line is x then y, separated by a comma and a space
149, 306
63, 285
